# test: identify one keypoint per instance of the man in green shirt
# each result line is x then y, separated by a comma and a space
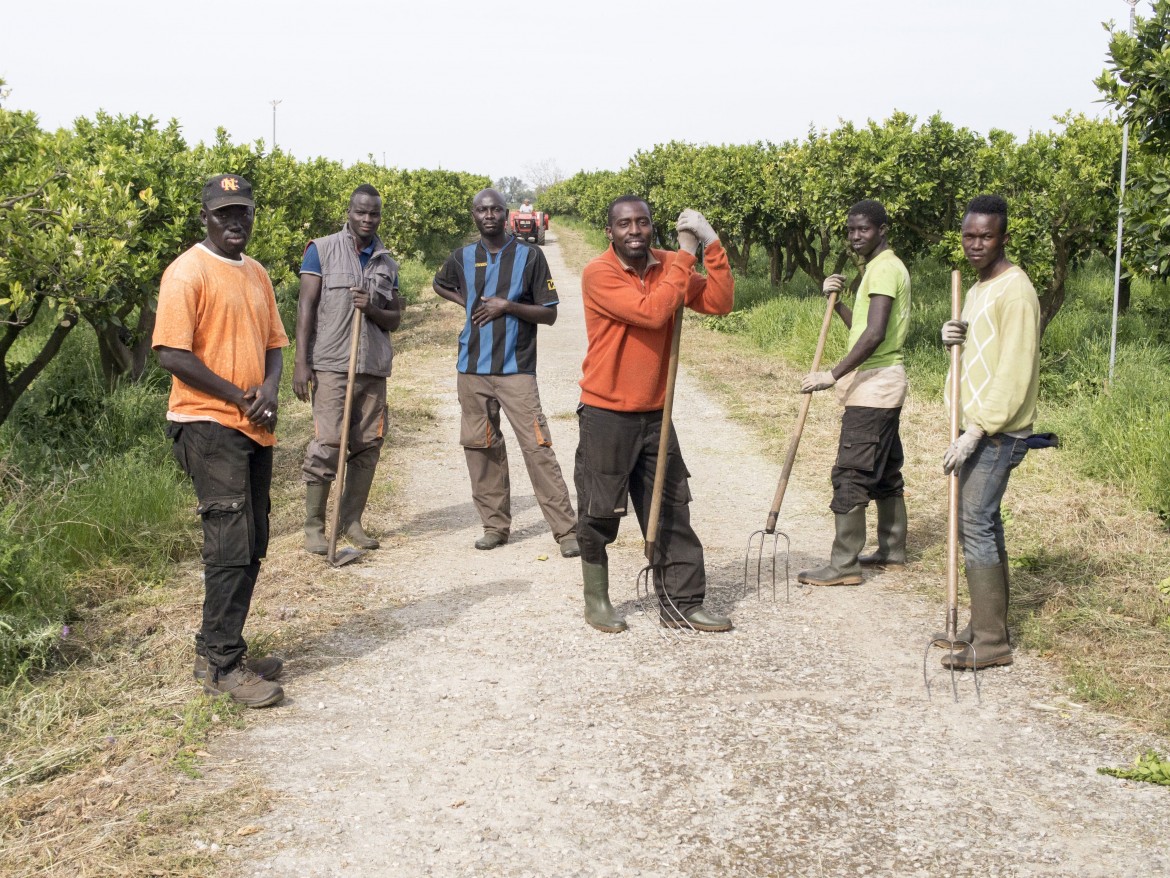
871, 385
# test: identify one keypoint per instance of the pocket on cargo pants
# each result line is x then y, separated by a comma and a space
227, 531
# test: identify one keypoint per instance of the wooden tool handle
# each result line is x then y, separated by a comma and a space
953, 479
664, 438
794, 442
343, 451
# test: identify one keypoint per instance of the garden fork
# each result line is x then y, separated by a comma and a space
782, 486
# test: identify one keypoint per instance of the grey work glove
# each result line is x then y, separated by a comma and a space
693, 221
961, 449
688, 241
815, 381
834, 283
954, 332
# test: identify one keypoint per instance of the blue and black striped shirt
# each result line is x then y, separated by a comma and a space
519, 271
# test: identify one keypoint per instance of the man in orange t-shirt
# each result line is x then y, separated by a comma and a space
631, 293
219, 335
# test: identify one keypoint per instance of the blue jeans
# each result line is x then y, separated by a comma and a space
982, 482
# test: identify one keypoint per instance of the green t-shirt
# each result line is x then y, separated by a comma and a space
885, 275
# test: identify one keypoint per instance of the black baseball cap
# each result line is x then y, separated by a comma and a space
226, 189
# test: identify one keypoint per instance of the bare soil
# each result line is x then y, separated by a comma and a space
463, 719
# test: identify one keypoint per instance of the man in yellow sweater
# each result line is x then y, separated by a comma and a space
1000, 332
631, 293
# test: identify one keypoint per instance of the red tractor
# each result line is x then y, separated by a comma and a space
529, 225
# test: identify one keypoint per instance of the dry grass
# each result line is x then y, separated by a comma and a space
104, 771
1086, 560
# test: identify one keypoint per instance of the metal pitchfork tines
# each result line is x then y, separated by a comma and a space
782, 486
651, 595
950, 639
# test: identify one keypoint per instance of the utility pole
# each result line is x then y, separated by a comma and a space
274, 105
1120, 220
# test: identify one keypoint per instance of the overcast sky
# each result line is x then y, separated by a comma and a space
496, 88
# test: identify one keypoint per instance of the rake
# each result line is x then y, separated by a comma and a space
651, 582
951, 640
769, 529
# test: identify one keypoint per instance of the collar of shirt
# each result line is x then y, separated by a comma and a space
651, 261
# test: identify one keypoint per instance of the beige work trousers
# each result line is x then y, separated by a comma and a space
367, 425
481, 398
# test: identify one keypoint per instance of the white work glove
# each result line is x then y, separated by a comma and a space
688, 241
815, 381
834, 283
693, 221
961, 449
954, 332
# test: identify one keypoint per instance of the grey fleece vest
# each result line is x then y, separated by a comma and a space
340, 270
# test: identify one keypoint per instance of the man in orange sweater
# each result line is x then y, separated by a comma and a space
631, 293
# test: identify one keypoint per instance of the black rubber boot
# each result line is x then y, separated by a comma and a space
988, 622
316, 499
891, 534
842, 568
599, 612
358, 481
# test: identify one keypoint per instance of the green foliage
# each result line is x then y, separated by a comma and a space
1137, 84
1147, 768
791, 199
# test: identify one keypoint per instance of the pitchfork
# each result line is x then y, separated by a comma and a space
782, 486
651, 578
951, 640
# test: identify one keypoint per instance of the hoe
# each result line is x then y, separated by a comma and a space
345, 556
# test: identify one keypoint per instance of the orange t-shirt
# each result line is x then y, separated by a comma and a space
629, 321
224, 312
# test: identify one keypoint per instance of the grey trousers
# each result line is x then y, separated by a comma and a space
367, 425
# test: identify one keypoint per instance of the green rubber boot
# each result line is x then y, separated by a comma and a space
842, 568
358, 481
988, 588
891, 534
599, 612
316, 499
940, 637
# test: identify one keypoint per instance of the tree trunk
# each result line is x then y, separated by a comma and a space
12, 390
124, 353
1053, 299
775, 263
1123, 294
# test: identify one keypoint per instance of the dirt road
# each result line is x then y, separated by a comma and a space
476, 726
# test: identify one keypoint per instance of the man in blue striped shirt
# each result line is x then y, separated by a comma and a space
507, 291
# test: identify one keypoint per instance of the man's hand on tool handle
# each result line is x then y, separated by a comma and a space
815, 381
834, 283
693, 221
961, 449
362, 300
688, 241
954, 332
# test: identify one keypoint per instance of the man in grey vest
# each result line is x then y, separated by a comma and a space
339, 273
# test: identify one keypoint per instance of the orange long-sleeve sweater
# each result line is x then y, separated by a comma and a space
629, 321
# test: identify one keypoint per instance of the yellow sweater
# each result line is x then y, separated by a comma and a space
1001, 358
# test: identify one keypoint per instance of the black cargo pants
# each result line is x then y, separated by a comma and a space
616, 456
232, 475
869, 458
